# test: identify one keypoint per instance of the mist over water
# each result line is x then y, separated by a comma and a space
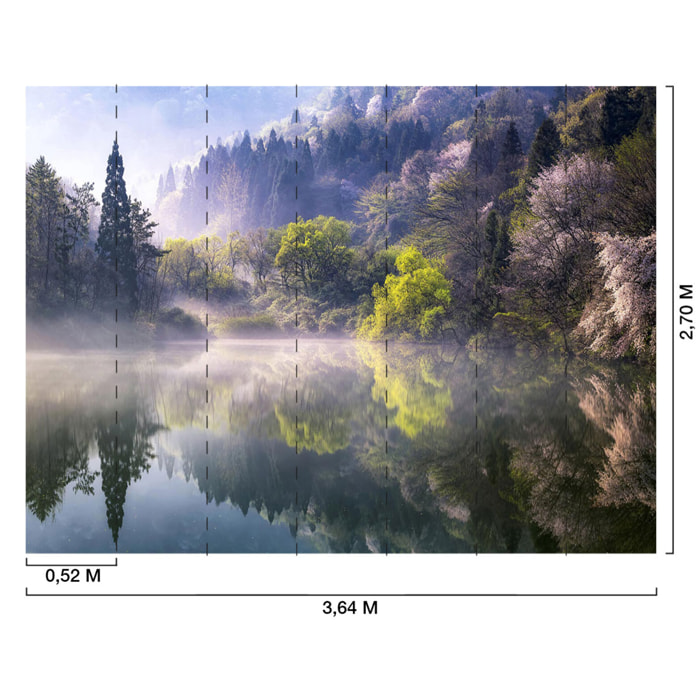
340, 447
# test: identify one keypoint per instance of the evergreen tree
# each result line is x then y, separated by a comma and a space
45, 216
421, 137
147, 255
115, 240
491, 232
306, 164
501, 251
622, 110
511, 145
351, 109
188, 212
272, 142
244, 153
169, 182
511, 161
159, 191
544, 149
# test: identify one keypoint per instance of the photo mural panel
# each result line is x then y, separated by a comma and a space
345, 319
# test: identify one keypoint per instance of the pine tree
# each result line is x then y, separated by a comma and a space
306, 166
511, 145
491, 232
622, 109
45, 215
159, 191
272, 142
188, 211
244, 153
115, 240
502, 251
169, 182
544, 149
421, 136
350, 108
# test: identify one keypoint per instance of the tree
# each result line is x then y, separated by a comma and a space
190, 218
512, 148
169, 182
115, 240
147, 257
316, 255
73, 237
501, 252
621, 318
259, 252
491, 231
554, 258
45, 212
622, 109
159, 191
633, 205
232, 196
214, 256
181, 267
411, 304
544, 149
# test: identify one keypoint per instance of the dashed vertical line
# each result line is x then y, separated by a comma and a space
477, 442
386, 326
566, 277
206, 328
296, 331
116, 279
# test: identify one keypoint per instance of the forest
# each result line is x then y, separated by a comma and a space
518, 217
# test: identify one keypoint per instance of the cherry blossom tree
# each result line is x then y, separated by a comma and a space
555, 249
621, 317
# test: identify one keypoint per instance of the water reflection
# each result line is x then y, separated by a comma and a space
340, 447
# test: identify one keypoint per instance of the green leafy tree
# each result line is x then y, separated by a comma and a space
71, 254
147, 257
411, 304
316, 255
633, 206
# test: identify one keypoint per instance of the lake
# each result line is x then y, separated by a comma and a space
337, 446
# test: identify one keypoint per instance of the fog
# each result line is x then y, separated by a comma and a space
74, 127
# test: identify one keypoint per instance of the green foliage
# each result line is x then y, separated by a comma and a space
633, 209
255, 326
315, 256
544, 149
177, 324
410, 304
206, 261
623, 110
579, 122
58, 259
335, 321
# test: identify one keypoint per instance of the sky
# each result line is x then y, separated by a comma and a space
74, 127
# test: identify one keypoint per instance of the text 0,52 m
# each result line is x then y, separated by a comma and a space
72, 576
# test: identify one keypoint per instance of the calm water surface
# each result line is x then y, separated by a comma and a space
339, 447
